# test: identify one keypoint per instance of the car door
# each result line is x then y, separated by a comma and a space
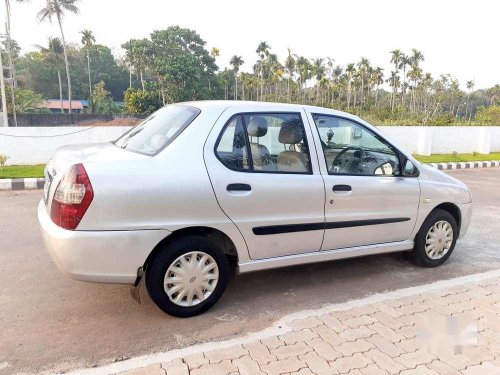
368, 201
267, 181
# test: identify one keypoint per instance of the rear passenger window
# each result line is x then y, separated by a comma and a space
268, 142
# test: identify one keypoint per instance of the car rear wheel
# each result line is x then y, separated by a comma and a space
436, 239
188, 276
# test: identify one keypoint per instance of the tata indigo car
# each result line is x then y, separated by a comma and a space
201, 190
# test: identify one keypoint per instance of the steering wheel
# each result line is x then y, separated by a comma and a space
391, 163
339, 161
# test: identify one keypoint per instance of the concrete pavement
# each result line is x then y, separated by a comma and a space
49, 322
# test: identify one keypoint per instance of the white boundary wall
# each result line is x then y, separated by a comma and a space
34, 145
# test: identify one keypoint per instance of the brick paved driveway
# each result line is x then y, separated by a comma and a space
374, 335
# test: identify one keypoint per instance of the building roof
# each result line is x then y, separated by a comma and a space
56, 104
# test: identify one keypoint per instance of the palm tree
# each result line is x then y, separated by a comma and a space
318, 69
470, 87
58, 8
396, 56
263, 52
236, 62
363, 68
214, 52
290, 68
350, 70
88, 40
377, 78
55, 54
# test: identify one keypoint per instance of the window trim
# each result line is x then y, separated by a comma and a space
247, 142
396, 151
196, 111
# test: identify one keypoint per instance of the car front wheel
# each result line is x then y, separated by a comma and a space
436, 239
188, 276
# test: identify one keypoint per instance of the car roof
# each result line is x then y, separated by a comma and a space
224, 104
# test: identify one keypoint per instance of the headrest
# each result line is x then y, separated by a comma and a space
291, 133
257, 126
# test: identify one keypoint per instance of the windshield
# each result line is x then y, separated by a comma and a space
158, 130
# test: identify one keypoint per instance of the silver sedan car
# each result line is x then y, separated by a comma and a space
202, 190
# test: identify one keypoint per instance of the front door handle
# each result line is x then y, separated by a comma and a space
239, 187
341, 188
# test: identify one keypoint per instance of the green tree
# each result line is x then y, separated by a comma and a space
88, 40
55, 55
57, 8
103, 103
138, 53
263, 51
182, 66
396, 57
236, 62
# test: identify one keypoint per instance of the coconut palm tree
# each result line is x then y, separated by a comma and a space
396, 56
377, 78
263, 52
88, 40
290, 69
470, 87
55, 54
58, 8
350, 70
236, 62
318, 69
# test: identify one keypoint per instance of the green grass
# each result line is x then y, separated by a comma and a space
444, 158
25, 171
22, 171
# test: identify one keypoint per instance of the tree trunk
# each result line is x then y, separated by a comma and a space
66, 62
235, 87
142, 80
90, 81
60, 89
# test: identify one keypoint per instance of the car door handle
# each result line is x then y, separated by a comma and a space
239, 187
342, 188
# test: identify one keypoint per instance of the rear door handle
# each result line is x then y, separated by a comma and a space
239, 187
342, 188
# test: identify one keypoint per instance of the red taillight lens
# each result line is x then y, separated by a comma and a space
72, 198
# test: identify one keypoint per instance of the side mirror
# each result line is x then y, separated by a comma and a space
409, 169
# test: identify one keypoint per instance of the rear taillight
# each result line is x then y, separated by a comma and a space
72, 198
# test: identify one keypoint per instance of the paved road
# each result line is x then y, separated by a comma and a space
48, 321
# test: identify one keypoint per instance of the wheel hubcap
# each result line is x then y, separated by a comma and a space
438, 240
191, 278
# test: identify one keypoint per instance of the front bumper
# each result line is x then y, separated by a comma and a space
466, 214
98, 256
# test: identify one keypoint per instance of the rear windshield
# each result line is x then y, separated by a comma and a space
158, 130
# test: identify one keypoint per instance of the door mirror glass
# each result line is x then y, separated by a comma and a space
410, 170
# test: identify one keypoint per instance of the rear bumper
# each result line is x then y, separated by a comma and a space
466, 214
98, 256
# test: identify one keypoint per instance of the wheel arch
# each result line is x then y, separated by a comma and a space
215, 235
453, 209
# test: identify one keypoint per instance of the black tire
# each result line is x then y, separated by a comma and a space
157, 268
419, 256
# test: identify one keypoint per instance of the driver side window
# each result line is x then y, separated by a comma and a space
352, 149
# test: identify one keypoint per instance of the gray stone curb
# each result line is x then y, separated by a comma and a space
21, 183
465, 165
37, 183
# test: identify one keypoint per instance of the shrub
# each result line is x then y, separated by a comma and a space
488, 115
141, 101
3, 160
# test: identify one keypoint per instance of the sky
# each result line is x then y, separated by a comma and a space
457, 37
